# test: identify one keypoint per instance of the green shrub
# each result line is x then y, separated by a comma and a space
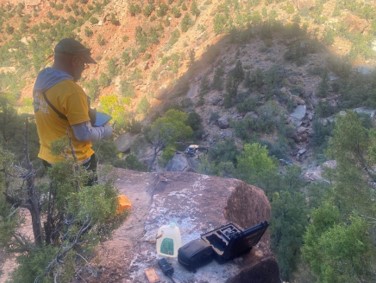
220, 23
59, 6
223, 151
112, 67
72, 20
186, 23
289, 8
214, 116
88, 32
324, 109
127, 90
94, 20
92, 88
126, 57
245, 128
143, 106
131, 162
104, 80
132, 125
176, 12
100, 40
174, 38
141, 38
9, 29
134, 9
162, 10
194, 9
247, 105
321, 134
195, 122
148, 9
32, 265
323, 87
217, 83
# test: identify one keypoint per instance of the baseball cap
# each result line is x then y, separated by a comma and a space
73, 47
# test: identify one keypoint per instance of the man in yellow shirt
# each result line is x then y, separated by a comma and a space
62, 108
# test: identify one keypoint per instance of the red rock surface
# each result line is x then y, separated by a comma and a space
197, 204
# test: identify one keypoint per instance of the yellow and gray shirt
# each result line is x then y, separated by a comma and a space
69, 99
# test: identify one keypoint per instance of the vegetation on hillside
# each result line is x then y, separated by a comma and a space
321, 231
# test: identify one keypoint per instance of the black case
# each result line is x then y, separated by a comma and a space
195, 254
224, 243
229, 241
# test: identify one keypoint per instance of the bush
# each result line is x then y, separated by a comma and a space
88, 32
176, 12
321, 134
112, 67
162, 10
194, 9
174, 38
324, 109
100, 40
186, 23
104, 80
92, 88
131, 162
224, 151
323, 87
217, 83
220, 23
9, 29
134, 9
195, 122
94, 20
127, 89
148, 9
247, 105
143, 106
72, 20
126, 57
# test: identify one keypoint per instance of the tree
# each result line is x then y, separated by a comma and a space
255, 166
218, 78
289, 220
64, 212
238, 72
194, 9
351, 147
338, 251
166, 131
186, 23
338, 245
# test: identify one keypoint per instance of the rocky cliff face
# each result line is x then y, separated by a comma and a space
197, 204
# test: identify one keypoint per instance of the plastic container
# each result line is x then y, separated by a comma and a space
123, 204
168, 240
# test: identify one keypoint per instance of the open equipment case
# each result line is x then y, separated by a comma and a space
222, 244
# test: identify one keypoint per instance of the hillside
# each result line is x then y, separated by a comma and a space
155, 55
235, 78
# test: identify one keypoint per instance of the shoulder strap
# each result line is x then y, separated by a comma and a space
61, 115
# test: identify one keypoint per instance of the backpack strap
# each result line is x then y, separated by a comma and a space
61, 115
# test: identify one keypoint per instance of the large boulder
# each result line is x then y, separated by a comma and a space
197, 204
179, 162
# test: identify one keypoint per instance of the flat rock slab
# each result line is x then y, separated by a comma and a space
197, 204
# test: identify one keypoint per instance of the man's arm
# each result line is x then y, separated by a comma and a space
85, 132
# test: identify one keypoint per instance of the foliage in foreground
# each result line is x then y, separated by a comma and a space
75, 218
338, 243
